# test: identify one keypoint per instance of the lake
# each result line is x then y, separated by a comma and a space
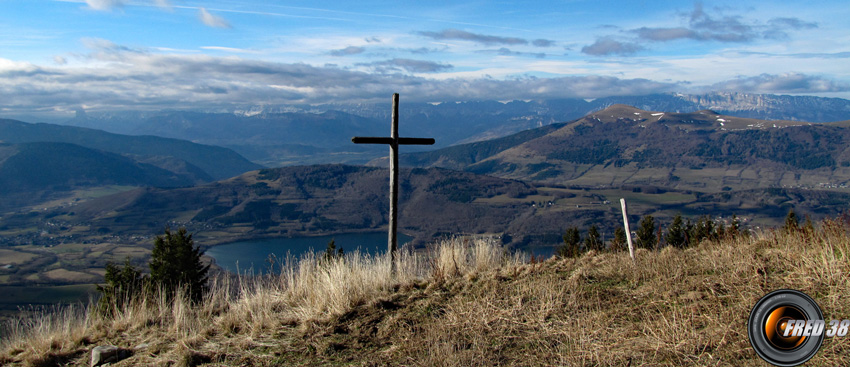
22, 296
252, 255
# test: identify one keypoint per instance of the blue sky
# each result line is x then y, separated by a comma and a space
101, 55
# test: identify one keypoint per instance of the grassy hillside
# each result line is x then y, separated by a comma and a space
461, 156
218, 162
622, 145
305, 200
465, 304
43, 174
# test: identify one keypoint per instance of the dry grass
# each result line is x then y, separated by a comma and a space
464, 303
670, 307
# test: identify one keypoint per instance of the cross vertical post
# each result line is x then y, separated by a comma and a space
393, 141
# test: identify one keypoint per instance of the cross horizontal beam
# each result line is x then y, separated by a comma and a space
401, 141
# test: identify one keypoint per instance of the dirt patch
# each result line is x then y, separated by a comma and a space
133, 252
70, 276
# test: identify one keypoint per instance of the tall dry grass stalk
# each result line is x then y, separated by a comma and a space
458, 256
46, 334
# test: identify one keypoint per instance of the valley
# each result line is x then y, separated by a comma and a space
523, 188
71, 244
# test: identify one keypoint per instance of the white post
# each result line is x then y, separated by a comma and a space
393, 225
628, 231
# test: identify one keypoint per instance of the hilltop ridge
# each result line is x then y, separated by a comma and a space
625, 145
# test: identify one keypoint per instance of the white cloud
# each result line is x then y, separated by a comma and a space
115, 77
608, 46
701, 26
212, 20
105, 4
164, 4
350, 50
230, 49
413, 66
783, 83
457, 34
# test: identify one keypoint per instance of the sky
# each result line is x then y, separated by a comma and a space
62, 56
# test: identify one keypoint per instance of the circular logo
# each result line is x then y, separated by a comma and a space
770, 333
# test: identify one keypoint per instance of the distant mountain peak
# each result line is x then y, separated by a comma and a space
707, 112
625, 113
621, 108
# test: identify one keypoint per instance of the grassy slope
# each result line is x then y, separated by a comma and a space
464, 306
460, 156
622, 145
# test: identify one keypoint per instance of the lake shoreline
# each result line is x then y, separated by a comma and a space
244, 255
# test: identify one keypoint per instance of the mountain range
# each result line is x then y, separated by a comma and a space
39, 162
293, 135
216, 161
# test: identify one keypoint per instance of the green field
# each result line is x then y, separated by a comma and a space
578, 199
83, 194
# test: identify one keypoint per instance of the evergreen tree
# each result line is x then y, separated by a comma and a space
331, 252
734, 227
176, 262
792, 223
689, 232
709, 228
720, 229
619, 242
676, 233
646, 237
808, 227
592, 241
506, 238
703, 230
122, 285
572, 243
659, 237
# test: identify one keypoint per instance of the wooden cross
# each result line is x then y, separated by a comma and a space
394, 141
